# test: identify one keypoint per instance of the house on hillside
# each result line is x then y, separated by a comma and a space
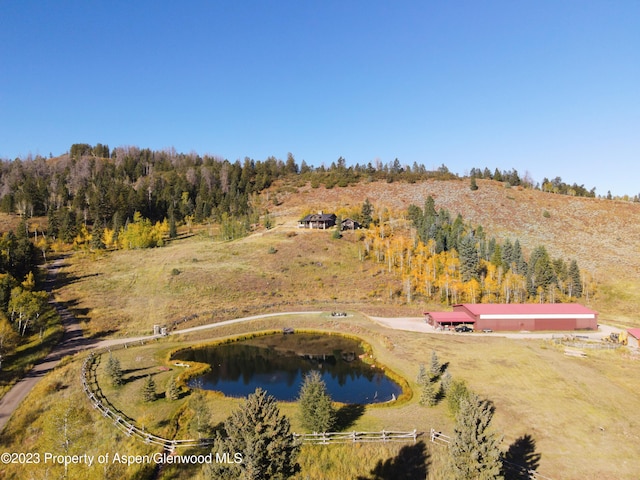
318, 220
349, 224
517, 317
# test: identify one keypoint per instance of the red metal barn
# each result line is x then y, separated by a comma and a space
529, 316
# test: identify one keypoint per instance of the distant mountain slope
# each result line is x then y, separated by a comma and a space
602, 235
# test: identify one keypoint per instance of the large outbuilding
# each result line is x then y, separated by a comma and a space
517, 317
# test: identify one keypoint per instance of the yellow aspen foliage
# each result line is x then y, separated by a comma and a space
142, 234
83, 238
108, 238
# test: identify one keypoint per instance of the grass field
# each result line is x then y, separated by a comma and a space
581, 412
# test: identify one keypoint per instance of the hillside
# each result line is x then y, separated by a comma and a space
602, 235
201, 279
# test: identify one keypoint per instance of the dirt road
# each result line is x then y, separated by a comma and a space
72, 342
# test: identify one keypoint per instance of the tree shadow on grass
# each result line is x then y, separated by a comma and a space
520, 459
348, 415
411, 463
133, 378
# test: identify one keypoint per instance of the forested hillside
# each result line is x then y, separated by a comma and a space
94, 186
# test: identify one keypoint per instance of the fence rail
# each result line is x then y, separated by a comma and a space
127, 425
122, 422
440, 438
384, 436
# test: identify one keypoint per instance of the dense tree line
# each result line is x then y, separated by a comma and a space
509, 176
451, 261
84, 188
94, 186
558, 186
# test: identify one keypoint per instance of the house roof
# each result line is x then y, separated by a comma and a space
527, 309
319, 217
634, 332
447, 317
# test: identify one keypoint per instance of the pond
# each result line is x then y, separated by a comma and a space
278, 363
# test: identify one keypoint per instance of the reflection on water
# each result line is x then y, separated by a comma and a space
278, 363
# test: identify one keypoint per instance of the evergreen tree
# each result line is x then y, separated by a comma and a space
496, 257
456, 393
316, 410
468, 258
149, 389
114, 370
445, 382
474, 450
518, 259
575, 280
422, 377
473, 185
429, 394
262, 435
173, 391
367, 214
201, 418
436, 367
507, 254
541, 271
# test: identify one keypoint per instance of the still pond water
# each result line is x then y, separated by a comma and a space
278, 363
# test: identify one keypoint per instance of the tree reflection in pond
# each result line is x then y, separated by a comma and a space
278, 363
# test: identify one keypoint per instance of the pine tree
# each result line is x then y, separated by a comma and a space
114, 371
316, 410
469, 261
429, 394
262, 435
473, 185
445, 382
173, 392
367, 214
474, 450
456, 393
422, 377
436, 367
575, 280
149, 389
201, 415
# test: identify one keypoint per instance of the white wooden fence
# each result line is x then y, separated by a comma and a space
384, 436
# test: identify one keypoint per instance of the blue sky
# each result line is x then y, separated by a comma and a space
548, 87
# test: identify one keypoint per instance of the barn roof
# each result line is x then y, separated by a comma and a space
446, 317
527, 309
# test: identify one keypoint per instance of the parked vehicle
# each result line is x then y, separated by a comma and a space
487, 330
464, 328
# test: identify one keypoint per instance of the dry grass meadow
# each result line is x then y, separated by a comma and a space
581, 412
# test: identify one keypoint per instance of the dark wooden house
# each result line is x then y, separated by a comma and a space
318, 220
349, 224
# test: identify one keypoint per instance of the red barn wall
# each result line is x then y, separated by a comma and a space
555, 324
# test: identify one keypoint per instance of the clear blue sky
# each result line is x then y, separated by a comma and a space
548, 87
